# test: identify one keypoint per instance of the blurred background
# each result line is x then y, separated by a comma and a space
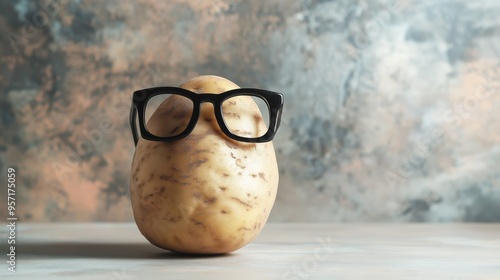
391, 114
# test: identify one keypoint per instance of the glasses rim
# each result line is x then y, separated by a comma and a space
140, 98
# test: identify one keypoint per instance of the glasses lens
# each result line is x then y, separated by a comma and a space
168, 115
246, 116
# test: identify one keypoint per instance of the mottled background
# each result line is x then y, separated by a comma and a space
392, 107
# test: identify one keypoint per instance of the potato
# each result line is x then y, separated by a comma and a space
206, 193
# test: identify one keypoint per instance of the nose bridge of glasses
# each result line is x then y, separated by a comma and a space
207, 108
207, 121
207, 98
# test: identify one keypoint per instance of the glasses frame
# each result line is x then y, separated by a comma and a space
140, 98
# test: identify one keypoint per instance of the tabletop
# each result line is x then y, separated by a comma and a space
282, 251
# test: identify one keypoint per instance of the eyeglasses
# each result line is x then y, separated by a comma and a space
171, 113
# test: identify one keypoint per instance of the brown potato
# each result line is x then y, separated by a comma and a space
206, 193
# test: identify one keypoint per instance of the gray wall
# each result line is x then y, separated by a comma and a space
391, 107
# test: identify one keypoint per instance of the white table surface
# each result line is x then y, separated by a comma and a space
282, 251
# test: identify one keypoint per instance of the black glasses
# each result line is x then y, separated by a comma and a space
171, 113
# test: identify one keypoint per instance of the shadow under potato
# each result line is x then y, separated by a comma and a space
102, 251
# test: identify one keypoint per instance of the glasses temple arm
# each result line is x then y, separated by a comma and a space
133, 116
278, 119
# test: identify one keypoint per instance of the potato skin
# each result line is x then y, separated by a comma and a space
206, 193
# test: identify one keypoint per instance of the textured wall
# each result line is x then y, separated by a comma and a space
392, 108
